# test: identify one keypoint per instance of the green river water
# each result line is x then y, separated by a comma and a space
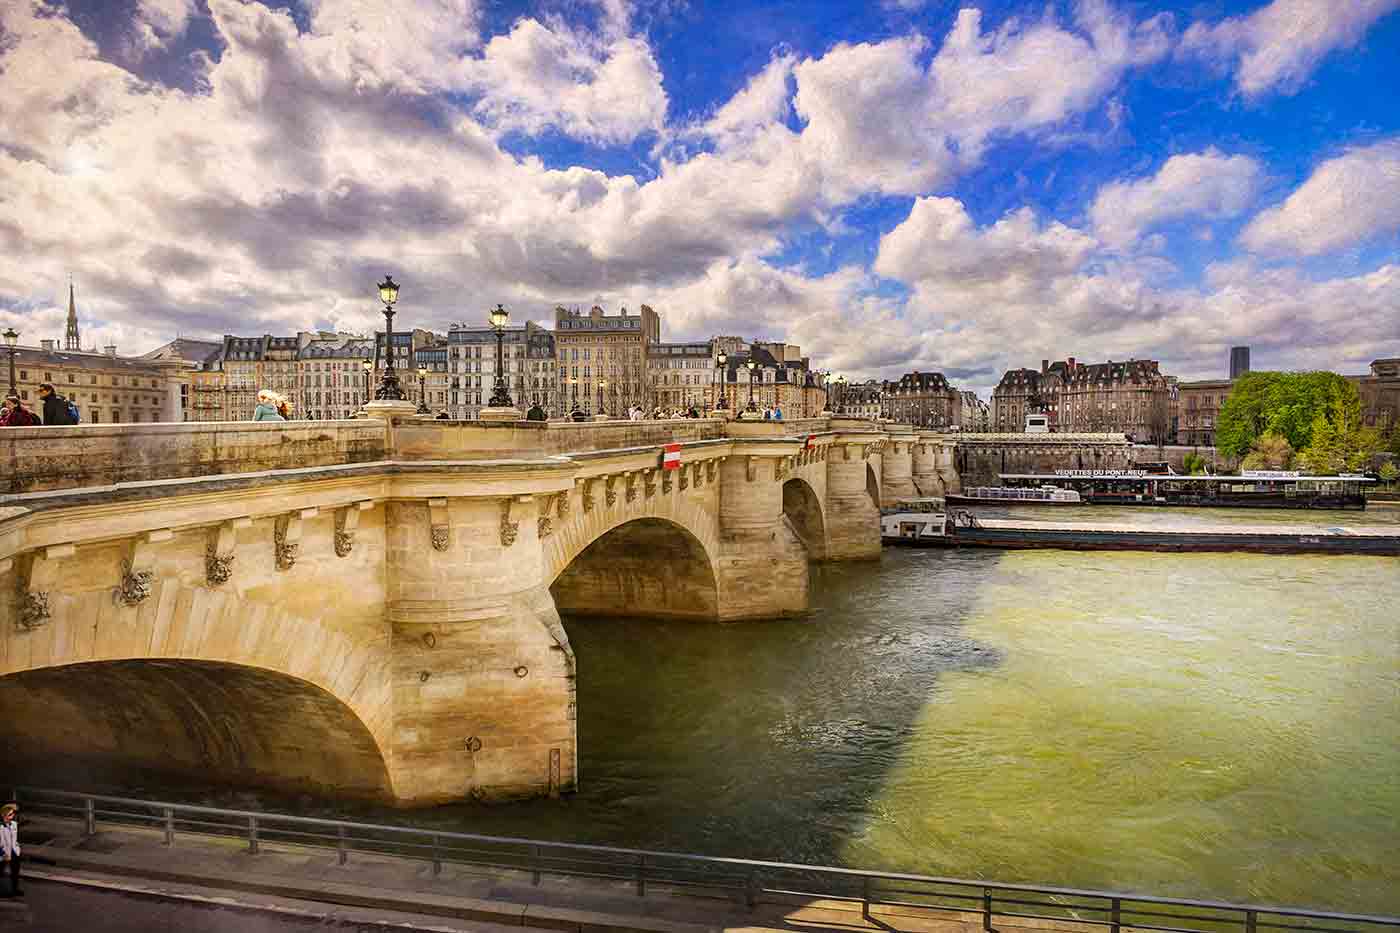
1200, 725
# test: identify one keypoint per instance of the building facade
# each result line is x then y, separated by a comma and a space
108, 389
1380, 393
1132, 397
782, 378
598, 351
527, 356
1016, 395
922, 399
682, 376
862, 400
1239, 362
331, 375
974, 414
1198, 410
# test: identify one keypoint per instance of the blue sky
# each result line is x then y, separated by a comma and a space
934, 185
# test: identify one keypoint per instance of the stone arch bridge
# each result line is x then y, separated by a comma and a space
373, 607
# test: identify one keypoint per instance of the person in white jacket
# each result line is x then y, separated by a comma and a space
9, 846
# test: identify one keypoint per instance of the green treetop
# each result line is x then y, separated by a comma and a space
1285, 404
1338, 440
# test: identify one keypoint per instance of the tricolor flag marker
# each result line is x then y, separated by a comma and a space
671, 457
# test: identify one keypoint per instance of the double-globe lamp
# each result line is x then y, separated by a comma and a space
389, 389
11, 341
500, 395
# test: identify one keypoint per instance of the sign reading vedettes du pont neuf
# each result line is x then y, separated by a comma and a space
1101, 474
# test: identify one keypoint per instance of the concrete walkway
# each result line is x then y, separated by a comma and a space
222, 871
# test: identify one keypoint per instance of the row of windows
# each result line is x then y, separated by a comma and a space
92, 379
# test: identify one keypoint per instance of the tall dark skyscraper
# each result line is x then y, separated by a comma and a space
1239, 361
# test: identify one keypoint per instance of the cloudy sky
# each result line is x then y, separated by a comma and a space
932, 184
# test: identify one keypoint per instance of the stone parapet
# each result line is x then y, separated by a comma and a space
46, 458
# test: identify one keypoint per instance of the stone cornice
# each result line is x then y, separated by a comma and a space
96, 514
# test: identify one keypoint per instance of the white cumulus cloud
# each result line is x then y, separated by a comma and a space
1206, 184
1347, 201
600, 88
1277, 47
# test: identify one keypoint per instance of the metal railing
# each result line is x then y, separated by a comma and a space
746, 880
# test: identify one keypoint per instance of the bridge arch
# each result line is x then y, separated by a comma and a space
872, 484
184, 719
803, 509
253, 634
645, 565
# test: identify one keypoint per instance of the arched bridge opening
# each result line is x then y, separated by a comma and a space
185, 722
803, 511
872, 486
647, 567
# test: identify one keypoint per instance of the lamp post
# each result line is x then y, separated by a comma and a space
500, 395
369, 368
722, 361
840, 395
752, 365
11, 340
422, 391
389, 389
602, 384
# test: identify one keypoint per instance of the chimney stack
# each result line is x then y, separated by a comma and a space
47, 345
1070, 363
1044, 366
110, 349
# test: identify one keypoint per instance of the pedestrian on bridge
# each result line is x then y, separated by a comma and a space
15, 415
9, 846
267, 408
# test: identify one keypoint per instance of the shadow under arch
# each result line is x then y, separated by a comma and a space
164, 720
803, 510
872, 485
649, 567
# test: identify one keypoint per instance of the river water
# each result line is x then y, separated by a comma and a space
1202, 725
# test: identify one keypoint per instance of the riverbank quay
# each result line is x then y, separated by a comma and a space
238, 861
1023, 534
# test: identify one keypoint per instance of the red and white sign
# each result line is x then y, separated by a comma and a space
671, 457
809, 445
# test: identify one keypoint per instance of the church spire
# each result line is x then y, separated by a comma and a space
70, 340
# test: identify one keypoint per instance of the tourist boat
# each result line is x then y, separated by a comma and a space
914, 522
1015, 495
1260, 489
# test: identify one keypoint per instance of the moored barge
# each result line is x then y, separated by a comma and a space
930, 527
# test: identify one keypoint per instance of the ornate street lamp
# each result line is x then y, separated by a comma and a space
841, 395
722, 361
369, 368
11, 341
389, 390
500, 395
752, 365
602, 384
422, 391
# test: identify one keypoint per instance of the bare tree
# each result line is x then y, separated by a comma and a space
1158, 421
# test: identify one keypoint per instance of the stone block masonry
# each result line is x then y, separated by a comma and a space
372, 608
